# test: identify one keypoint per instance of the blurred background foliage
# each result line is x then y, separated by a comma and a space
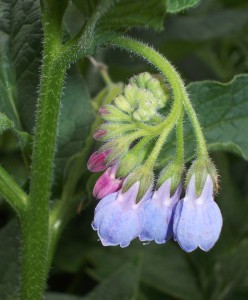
207, 42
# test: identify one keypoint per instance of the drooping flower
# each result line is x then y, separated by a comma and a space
197, 220
107, 183
158, 214
118, 219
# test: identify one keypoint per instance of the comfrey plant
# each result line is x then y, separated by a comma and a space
133, 133
137, 199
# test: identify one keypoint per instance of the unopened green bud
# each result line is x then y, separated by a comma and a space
133, 158
147, 105
142, 175
141, 79
117, 147
122, 103
144, 115
114, 114
174, 172
159, 91
130, 92
114, 130
202, 168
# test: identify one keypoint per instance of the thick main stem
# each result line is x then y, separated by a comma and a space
35, 225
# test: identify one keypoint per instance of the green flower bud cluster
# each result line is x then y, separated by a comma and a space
141, 100
123, 131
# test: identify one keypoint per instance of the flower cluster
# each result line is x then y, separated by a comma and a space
192, 221
130, 206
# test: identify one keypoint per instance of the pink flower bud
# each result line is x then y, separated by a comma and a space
99, 133
96, 162
103, 111
107, 183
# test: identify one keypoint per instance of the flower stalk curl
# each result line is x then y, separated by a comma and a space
133, 208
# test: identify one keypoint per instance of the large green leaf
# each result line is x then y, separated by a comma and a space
18, 138
5, 123
129, 13
221, 23
178, 5
58, 296
20, 37
223, 113
9, 244
159, 268
121, 285
76, 117
232, 267
124, 14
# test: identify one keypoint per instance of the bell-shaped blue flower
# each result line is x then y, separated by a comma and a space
118, 219
158, 214
197, 220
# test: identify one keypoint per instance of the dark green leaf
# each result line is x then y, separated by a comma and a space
8, 89
76, 117
159, 268
129, 13
57, 296
20, 35
17, 138
232, 267
5, 123
124, 14
223, 113
232, 202
178, 5
121, 285
210, 25
9, 256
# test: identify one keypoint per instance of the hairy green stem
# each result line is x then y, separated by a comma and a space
202, 151
173, 78
11, 191
179, 157
35, 223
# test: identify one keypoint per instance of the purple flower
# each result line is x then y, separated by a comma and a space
118, 219
158, 214
197, 220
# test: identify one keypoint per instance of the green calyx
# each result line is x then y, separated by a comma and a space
174, 172
201, 168
118, 148
115, 130
142, 175
134, 158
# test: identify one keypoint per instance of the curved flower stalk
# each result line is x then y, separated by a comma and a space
134, 132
